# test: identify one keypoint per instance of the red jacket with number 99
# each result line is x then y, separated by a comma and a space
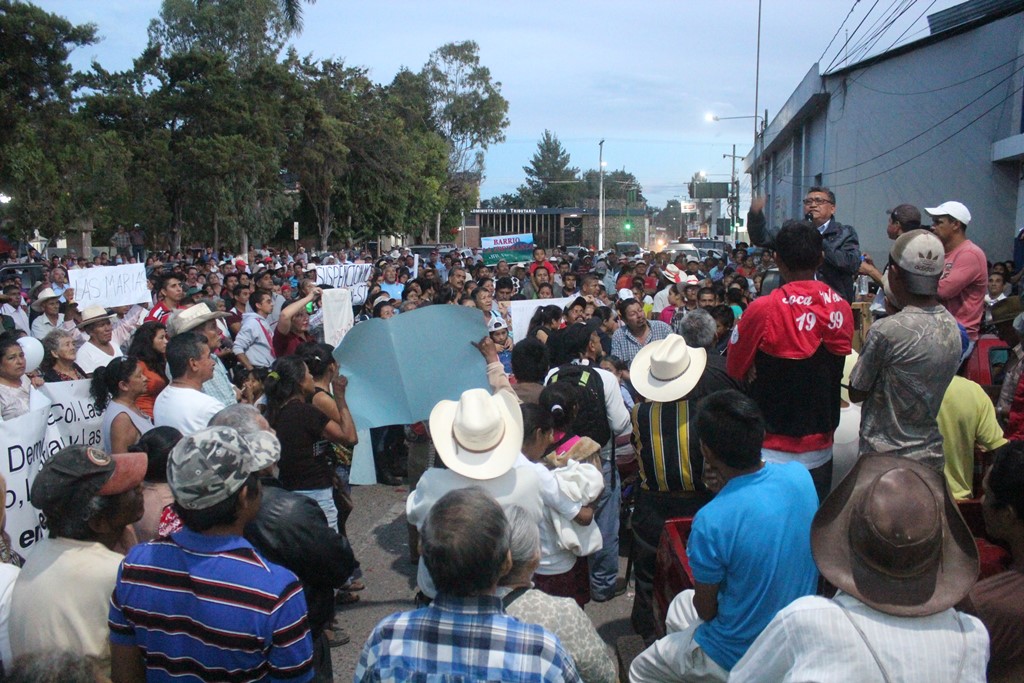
790, 345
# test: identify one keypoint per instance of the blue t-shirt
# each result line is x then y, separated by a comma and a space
394, 290
754, 540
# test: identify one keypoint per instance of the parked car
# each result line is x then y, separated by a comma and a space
577, 251
31, 274
684, 248
706, 243
424, 249
987, 362
627, 248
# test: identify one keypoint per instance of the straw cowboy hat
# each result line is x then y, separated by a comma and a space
480, 435
41, 298
667, 370
673, 273
94, 314
191, 318
891, 536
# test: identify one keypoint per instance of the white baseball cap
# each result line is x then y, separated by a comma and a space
954, 209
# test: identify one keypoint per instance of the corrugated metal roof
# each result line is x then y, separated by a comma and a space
959, 19
970, 11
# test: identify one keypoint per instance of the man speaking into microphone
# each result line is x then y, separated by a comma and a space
842, 247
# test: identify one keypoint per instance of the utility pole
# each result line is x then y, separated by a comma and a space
600, 193
734, 195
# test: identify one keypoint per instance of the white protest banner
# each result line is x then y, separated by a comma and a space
354, 277
522, 311
415, 267
110, 286
22, 441
63, 414
74, 418
338, 319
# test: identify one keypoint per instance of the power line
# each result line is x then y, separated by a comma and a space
879, 29
932, 126
852, 7
844, 83
847, 42
941, 88
922, 153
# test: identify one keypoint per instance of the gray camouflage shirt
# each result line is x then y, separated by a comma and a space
907, 361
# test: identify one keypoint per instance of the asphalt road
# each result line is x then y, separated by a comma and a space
377, 531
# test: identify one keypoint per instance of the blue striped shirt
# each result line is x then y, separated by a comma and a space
463, 639
211, 608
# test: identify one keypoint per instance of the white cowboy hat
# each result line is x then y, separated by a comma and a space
667, 370
191, 318
480, 435
94, 314
41, 298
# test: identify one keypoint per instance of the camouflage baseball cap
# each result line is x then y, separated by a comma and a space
210, 466
264, 447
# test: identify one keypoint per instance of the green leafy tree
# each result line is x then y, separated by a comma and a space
246, 32
669, 217
317, 154
291, 10
202, 109
619, 186
36, 97
550, 180
504, 201
469, 112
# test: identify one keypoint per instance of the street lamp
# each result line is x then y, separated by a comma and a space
709, 117
763, 120
600, 193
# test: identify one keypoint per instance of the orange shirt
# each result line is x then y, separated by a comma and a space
155, 384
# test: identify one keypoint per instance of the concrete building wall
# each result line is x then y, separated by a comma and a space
891, 132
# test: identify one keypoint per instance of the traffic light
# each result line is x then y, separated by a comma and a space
628, 226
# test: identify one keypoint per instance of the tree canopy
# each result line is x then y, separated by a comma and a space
217, 133
552, 181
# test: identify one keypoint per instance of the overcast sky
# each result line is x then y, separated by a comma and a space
642, 75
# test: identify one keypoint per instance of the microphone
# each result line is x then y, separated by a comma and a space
808, 216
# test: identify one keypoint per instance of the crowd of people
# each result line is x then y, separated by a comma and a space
206, 533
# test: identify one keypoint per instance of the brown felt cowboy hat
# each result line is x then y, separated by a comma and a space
891, 536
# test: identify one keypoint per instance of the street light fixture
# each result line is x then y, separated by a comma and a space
709, 117
600, 193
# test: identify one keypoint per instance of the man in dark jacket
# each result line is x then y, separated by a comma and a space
291, 530
842, 246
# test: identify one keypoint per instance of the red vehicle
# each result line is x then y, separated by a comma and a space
986, 363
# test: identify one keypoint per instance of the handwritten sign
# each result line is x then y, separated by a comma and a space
62, 414
354, 277
511, 248
521, 312
110, 286
23, 442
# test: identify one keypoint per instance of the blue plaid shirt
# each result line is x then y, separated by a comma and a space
462, 639
625, 345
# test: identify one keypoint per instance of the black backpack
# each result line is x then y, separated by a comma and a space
592, 418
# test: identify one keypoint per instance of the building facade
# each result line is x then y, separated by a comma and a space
936, 119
